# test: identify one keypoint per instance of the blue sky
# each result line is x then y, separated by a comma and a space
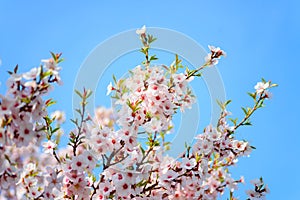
260, 38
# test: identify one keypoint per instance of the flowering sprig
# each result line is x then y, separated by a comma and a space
50, 146
146, 40
145, 103
76, 137
22, 111
210, 60
259, 96
260, 190
214, 56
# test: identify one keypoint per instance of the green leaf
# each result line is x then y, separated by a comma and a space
220, 104
78, 93
53, 55
187, 71
223, 105
151, 38
45, 74
7, 158
94, 178
70, 144
115, 79
78, 111
231, 195
227, 102
143, 150
74, 121
198, 157
115, 97
156, 143
50, 102
261, 104
88, 93
16, 69
247, 123
234, 121
54, 130
252, 95
261, 179
142, 183
167, 143
153, 58
245, 111
60, 60
274, 85
144, 50
129, 104
199, 74
26, 100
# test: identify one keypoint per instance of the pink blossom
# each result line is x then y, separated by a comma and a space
188, 163
141, 31
109, 88
59, 116
107, 157
49, 146
260, 87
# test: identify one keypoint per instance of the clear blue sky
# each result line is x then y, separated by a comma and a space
261, 39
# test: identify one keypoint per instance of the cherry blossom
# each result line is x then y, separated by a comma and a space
109, 88
59, 116
260, 87
49, 146
141, 31
119, 152
213, 57
188, 163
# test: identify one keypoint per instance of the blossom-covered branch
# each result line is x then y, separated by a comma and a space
105, 158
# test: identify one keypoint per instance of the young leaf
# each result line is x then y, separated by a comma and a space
252, 95
50, 102
78, 93
153, 58
245, 111
16, 69
115, 79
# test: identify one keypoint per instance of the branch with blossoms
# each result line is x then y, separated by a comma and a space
260, 189
22, 111
258, 96
76, 137
102, 161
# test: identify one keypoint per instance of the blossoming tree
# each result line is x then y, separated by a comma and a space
102, 161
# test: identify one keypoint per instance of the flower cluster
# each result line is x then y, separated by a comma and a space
105, 159
147, 101
260, 190
22, 128
215, 54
